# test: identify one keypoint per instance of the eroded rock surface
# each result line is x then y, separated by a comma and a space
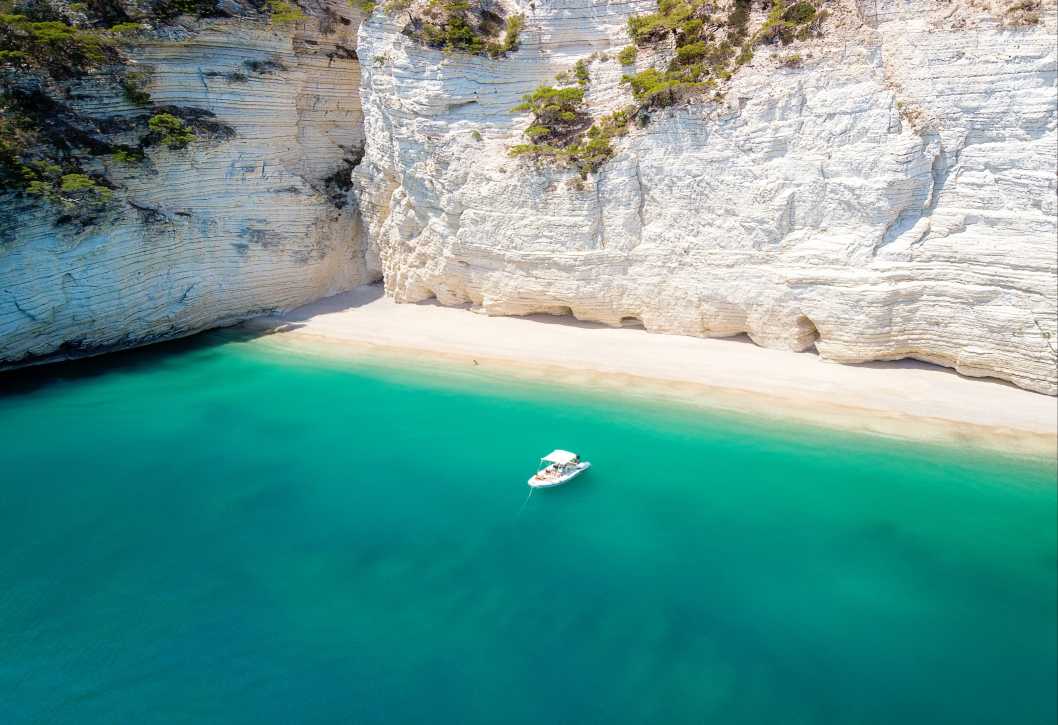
256, 219
890, 196
884, 191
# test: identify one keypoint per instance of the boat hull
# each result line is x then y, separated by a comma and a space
535, 482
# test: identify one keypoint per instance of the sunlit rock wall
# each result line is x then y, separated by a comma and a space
894, 196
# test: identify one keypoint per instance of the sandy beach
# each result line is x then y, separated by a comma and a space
904, 399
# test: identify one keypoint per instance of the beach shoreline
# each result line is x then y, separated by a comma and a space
903, 400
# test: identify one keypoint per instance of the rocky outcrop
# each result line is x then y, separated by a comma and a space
889, 193
256, 218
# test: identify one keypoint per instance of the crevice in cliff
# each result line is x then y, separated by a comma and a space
19, 307
907, 222
338, 185
806, 334
640, 202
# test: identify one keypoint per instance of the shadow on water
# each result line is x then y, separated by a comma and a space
33, 378
156, 355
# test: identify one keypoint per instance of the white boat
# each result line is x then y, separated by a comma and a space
558, 467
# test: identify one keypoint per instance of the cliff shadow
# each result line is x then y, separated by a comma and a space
356, 297
150, 356
909, 363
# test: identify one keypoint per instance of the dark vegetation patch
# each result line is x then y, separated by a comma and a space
711, 41
562, 130
1022, 13
337, 185
264, 67
343, 52
483, 28
47, 146
710, 46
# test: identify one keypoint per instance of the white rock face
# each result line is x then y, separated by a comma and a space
892, 197
225, 230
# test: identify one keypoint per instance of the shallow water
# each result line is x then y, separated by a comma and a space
216, 531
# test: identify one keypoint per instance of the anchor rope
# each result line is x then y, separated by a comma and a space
525, 502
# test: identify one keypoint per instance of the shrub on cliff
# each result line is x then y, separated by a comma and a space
284, 13
132, 87
170, 130
1022, 13
706, 46
456, 26
167, 10
562, 131
56, 47
77, 195
557, 112
580, 72
799, 13
125, 29
128, 155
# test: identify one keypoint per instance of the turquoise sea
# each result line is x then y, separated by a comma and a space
217, 531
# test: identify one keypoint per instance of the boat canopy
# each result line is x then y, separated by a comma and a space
560, 457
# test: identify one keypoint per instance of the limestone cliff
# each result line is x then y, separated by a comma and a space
887, 192
879, 188
253, 220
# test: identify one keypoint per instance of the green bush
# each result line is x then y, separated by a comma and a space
799, 13
738, 20
284, 13
172, 131
171, 9
60, 49
72, 183
513, 30
1023, 13
446, 24
784, 24
558, 115
77, 194
687, 54
132, 88
126, 28
14, 58
586, 152
535, 132
580, 72
563, 134
652, 87
128, 155
549, 104
627, 56
701, 56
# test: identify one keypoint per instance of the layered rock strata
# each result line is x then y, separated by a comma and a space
889, 195
256, 219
